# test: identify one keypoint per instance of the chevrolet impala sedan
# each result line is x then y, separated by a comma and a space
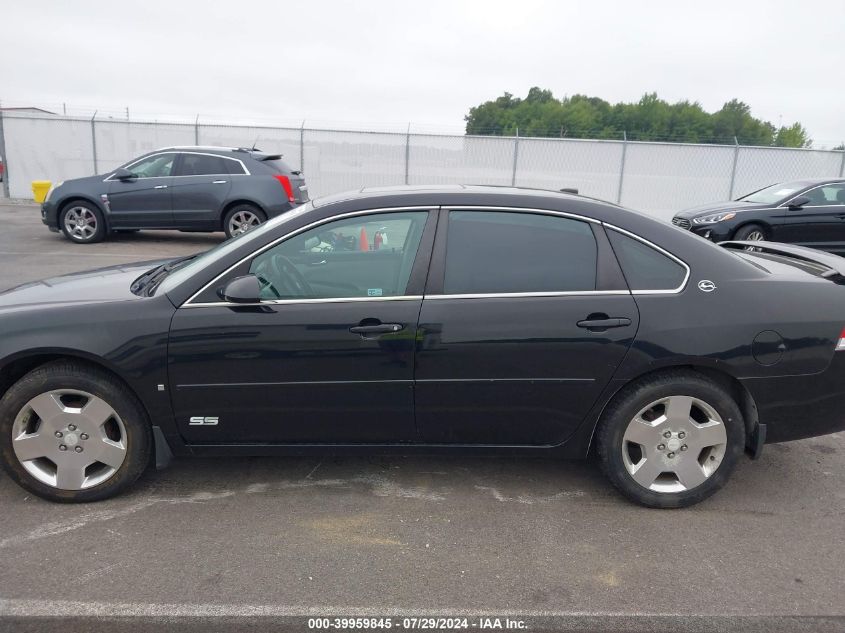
429, 319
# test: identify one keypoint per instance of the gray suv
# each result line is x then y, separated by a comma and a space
184, 188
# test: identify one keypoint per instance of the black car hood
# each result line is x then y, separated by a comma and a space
90, 286
715, 207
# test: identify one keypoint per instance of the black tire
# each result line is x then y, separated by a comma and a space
88, 234
82, 377
245, 210
752, 230
631, 401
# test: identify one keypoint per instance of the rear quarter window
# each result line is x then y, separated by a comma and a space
644, 267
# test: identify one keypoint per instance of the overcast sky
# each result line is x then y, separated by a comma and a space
382, 64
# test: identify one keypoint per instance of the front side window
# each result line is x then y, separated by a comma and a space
363, 256
203, 165
492, 252
644, 267
158, 166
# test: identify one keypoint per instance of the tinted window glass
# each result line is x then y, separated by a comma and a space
233, 166
154, 166
365, 256
495, 252
644, 267
277, 164
203, 165
828, 195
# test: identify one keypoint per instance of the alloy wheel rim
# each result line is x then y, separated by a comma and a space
674, 444
754, 236
69, 439
80, 223
242, 222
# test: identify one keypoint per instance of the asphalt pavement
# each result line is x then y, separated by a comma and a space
529, 538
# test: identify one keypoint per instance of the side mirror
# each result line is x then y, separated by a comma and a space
123, 174
244, 289
799, 202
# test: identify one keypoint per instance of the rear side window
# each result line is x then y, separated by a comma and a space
203, 165
505, 252
234, 167
644, 267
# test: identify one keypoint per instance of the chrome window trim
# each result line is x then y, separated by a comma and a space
564, 214
177, 152
785, 205
189, 304
673, 291
519, 295
228, 304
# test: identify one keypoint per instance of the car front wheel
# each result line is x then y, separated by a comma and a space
70, 432
81, 222
671, 441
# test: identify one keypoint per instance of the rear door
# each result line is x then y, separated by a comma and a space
524, 322
201, 188
820, 223
143, 201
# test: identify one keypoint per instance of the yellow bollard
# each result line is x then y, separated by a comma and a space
40, 189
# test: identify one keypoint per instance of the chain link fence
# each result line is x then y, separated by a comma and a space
656, 178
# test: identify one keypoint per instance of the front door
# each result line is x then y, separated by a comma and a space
818, 224
144, 200
201, 188
525, 332
328, 354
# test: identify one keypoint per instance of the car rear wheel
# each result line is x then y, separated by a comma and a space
82, 222
671, 440
242, 218
70, 432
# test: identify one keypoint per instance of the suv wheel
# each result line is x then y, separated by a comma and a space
242, 218
671, 440
70, 432
81, 222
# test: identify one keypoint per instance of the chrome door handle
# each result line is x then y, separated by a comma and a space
219, 182
160, 187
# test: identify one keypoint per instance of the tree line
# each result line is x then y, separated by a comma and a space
649, 119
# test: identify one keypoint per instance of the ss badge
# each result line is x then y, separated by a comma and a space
199, 420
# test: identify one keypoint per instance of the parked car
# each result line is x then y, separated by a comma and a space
805, 212
185, 188
484, 319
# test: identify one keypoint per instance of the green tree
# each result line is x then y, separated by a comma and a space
649, 119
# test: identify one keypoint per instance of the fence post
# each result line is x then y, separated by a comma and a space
407, 151
733, 169
4, 157
302, 147
622, 166
515, 157
841, 165
94, 141
197, 130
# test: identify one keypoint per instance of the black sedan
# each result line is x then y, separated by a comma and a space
805, 212
429, 319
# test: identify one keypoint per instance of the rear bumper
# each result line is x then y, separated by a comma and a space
797, 407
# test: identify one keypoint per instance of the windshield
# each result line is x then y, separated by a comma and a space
224, 248
775, 193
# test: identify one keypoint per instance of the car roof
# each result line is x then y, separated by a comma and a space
508, 193
255, 153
